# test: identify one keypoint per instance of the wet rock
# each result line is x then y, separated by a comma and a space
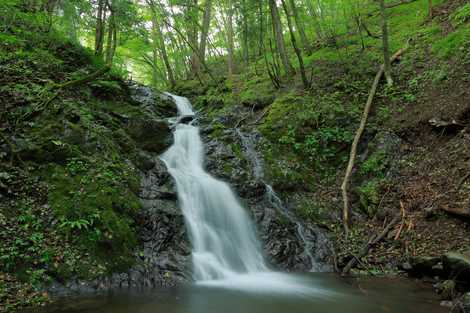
152, 135
423, 266
156, 103
186, 119
144, 161
457, 265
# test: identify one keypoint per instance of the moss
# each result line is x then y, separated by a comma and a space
95, 202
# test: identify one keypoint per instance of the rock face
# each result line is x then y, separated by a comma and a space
288, 244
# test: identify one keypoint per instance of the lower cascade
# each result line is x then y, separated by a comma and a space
223, 237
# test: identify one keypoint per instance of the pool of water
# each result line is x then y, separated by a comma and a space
323, 294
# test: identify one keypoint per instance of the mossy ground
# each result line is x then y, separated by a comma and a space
68, 186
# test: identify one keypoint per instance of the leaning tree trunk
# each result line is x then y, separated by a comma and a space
296, 48
299, 25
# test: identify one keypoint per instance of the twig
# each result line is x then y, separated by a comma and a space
403, 213
371, 243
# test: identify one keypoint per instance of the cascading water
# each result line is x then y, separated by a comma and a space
226, 251
223, 237
302, 231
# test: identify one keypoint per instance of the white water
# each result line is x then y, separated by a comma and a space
223, 237
226, 251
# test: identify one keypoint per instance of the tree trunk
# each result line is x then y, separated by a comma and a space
431, 13
159, 43
206, 20
296, 48
299, 25
99, 31
386, 51
110, 44
230, 45
245, 45
277, 29
192, 27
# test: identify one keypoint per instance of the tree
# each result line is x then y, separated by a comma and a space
295, 46
206, 20
278, 34
385, 45
99, 30
230, 44
299, 25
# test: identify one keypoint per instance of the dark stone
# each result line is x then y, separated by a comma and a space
151, 135
423, 266
144, 161
186, 119
457, 265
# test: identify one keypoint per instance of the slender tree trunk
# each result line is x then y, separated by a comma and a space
230, 45
99, 31
206, 21
296, 48
386, 49
277, 28
316, 25
192, 24
245, 45
430, 9
159, 43
299, 25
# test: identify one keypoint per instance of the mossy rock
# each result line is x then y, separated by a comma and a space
150, 135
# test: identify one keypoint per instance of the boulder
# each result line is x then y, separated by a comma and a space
151, 135
423, 266
457, 265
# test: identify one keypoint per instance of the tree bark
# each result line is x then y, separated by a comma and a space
245, 45
277, 29
385, 44
230, 44
159, 44
99, 31
206, 20
296, 48
192, 28
111, 39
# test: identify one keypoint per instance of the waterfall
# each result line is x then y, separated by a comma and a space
222, 235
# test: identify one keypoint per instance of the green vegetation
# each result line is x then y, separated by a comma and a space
69, 157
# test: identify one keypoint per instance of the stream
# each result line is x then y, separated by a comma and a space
229, 269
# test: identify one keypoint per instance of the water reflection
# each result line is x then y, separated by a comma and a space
328, 294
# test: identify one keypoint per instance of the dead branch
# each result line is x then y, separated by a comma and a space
403, 214
357, 137
370, 243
